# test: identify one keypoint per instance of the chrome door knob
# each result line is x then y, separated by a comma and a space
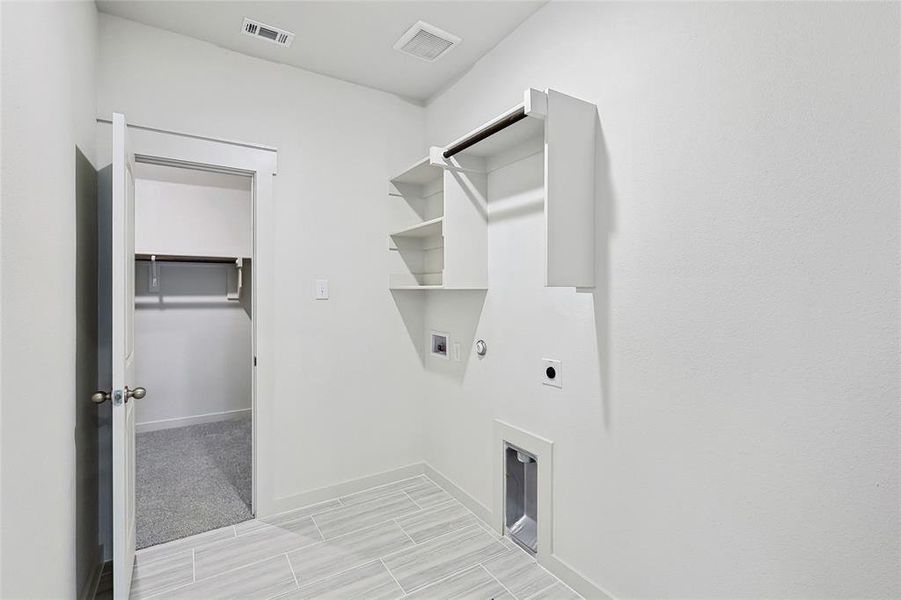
136, 393
99, 397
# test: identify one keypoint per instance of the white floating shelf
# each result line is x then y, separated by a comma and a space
425, 229
419, 173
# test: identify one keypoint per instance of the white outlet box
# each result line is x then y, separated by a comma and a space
552, 372
320, 289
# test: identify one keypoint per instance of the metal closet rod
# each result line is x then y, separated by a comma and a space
480, 135
192, 259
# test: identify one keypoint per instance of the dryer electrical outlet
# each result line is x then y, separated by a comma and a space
552, 372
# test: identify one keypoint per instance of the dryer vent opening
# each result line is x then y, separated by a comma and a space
521, 497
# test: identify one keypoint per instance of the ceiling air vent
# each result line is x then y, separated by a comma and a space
426, 42
267, 32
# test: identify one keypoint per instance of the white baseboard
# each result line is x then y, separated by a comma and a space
192, 420
345, 488
479, 509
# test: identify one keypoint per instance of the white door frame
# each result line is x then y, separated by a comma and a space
151, 145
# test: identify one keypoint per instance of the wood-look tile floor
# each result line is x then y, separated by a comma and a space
407, 539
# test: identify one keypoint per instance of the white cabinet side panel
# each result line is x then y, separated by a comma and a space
569, 190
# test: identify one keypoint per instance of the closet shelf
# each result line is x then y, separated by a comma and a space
425, 229
419, 173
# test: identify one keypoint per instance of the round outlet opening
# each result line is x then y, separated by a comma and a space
551, 372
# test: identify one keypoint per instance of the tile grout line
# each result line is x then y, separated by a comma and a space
376, 487
402, 590
457, 572
293, 574
544, 589
316, 525
401, 527
256, 562
454, 498
411, 499
343, 571
499, 582
377, 523
445, 578
382, 498
431, 540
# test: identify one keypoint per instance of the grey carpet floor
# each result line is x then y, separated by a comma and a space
192, 479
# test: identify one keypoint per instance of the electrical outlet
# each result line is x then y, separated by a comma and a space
320, 289
552, 372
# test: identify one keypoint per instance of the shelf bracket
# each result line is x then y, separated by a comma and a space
238, 278
154, 284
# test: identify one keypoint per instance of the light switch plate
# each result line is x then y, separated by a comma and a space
320, 289
552, 372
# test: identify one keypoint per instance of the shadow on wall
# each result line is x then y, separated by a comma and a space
411, 306
454, 311
605, 219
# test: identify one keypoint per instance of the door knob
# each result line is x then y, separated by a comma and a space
136, 393
99, 397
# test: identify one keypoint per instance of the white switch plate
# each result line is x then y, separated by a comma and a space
550, 366
320, 289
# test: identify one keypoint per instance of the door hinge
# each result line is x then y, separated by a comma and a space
254, 361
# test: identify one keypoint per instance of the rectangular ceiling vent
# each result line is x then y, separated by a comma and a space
426, 42
267, 32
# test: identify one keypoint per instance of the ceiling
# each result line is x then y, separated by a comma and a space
351, 40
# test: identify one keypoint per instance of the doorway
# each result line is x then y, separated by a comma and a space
193, 349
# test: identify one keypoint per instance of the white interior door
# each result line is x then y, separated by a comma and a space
124, 392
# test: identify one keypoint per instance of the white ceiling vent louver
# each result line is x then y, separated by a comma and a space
426, 42
267, 32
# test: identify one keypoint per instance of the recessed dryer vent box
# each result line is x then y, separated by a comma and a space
521, 497
439, 344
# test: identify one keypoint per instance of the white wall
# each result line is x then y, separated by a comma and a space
193, 349
47, 110
193, 213
728, 425
336, 143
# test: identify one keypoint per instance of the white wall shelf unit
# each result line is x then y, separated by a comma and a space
564, 128
445, 245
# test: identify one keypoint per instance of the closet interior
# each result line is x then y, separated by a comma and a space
193, 350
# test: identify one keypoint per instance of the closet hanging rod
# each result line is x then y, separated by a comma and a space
182, 258
480, 135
